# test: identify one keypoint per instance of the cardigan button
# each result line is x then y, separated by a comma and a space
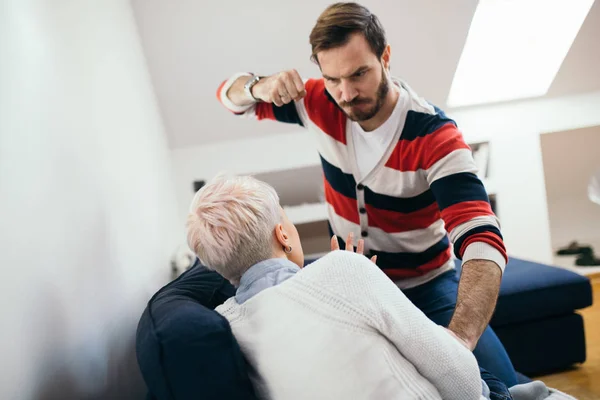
362, 210
360, 186
364, 234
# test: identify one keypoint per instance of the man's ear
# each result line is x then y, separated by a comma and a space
386, 56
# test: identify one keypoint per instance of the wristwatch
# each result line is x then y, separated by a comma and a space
249, 84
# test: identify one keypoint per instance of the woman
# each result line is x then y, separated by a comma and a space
338, 328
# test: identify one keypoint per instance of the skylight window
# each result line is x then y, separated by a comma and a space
515, 48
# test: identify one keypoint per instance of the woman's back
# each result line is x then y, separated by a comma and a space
341, 329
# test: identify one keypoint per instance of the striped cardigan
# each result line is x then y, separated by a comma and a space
420, 200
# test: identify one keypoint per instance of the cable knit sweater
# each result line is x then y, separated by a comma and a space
341, 329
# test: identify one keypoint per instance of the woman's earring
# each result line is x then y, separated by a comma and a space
288, 249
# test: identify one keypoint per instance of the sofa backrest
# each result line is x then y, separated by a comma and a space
185, 349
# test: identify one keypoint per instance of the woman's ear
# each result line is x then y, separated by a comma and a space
281, 236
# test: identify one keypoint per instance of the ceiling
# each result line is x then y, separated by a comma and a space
192, 48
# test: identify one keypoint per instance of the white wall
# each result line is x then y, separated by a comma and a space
570, 159
516, 164
87, 215
517, 168
249, 156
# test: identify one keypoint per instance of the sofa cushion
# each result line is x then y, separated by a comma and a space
186, 350
532, 291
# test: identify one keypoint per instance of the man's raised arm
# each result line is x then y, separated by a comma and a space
271, 97
279, 89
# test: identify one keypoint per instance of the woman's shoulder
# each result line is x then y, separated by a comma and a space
344, 258
341, 278
340, 264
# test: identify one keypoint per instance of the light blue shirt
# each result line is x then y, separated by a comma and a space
263, 275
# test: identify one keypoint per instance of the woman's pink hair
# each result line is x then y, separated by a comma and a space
231, 222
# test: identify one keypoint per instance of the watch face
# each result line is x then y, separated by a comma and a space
248, 86
252, 81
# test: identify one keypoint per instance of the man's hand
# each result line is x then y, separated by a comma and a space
360, 247
280, 89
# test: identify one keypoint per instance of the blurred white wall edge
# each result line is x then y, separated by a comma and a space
88, 220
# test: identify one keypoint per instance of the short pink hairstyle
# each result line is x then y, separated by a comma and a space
231, 222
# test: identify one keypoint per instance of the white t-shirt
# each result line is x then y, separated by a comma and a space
369, 147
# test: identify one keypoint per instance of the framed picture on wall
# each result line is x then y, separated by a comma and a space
481, 155
197, 185
493, 204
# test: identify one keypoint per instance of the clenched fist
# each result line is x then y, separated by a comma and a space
280, 89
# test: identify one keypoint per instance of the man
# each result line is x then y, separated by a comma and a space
397, 173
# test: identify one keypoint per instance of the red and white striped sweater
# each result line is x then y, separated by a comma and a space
420, 200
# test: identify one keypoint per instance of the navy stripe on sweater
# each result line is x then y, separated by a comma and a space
457, 188
387, 260
287, 113
338, 180
346, 185
480, 229
398, 204
420, 124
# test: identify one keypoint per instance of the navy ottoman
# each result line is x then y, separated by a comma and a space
536, 317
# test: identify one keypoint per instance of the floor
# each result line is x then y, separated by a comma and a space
583, 382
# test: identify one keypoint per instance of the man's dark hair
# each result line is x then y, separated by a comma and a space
339, 22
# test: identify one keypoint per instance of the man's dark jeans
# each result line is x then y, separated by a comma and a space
437, 300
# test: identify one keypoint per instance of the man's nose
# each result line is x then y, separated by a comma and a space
348, 93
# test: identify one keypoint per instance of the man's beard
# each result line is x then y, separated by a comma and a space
360, 115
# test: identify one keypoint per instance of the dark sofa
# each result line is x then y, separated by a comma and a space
186, 350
